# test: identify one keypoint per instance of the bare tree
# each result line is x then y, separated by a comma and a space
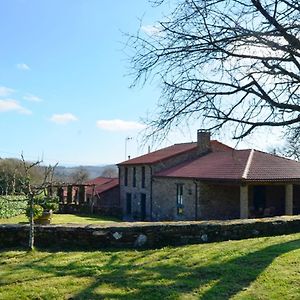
80, 175
290, 147
32, 191
110, 172
225, 63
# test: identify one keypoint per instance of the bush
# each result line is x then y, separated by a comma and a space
51, 203
42, 204
11, 206
37, 211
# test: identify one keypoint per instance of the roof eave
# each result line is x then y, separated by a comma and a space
236, 180
127, 163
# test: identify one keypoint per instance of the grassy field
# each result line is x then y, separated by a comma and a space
63, 219
262, 268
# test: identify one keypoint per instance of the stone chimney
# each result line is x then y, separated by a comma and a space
203, 141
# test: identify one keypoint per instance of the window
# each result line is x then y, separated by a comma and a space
126, 176
143, 176
179, 198
134, 177
128, 203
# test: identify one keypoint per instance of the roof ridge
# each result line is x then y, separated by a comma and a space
248, 164
181, 144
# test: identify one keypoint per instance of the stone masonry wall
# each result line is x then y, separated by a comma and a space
135, 191
138, 190
201, 201
146, 235
218, 202
165, 199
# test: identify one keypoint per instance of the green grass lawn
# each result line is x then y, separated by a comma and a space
64, 219
261, 268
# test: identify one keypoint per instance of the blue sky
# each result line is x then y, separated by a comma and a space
64, 93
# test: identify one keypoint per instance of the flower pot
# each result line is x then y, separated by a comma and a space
45, 218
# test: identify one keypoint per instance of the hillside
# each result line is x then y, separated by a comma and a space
65, 173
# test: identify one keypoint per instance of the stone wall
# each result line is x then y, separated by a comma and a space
215, 201
108, 203
147, 235
138, 190
165, 199
135, 191
218, 201
201, 201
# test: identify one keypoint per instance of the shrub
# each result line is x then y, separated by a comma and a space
51, 203
42, 204
11, 206
37, 211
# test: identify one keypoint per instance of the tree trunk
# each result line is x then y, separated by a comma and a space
14, 184
31, 225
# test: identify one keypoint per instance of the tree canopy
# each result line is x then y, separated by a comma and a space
12, 176
225, 63
80, 175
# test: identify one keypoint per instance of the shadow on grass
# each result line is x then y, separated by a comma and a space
141, 277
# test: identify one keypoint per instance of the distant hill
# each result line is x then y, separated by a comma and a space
64, 173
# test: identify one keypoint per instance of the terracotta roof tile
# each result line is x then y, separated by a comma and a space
102, 184
246, 165
223, 165
171, 151
272, 167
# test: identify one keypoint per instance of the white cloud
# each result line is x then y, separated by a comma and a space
32, 98
152, 29
63, 118
13, 105
119, 125
5, 91
23, 67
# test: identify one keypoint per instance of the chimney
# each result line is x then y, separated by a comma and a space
203, 141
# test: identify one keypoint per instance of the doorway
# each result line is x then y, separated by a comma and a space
128, 204
143, 207
259, 199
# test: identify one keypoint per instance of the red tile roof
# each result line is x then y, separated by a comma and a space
272, 167
102, 184
242, 165
171, 151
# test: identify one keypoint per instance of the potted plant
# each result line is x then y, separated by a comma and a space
43, 209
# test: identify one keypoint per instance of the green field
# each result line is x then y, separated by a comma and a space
261, 268
64, 219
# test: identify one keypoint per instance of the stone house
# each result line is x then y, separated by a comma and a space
103, 195
208, 180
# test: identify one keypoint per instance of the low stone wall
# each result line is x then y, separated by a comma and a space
147, 235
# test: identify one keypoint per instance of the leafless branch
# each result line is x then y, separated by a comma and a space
224, 62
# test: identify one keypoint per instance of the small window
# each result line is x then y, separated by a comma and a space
126, 176
134, 177
143, 176
179, 199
